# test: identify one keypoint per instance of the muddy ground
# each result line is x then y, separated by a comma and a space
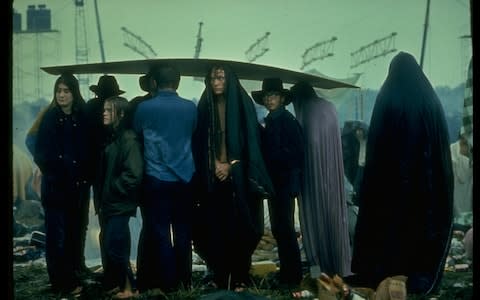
31, 282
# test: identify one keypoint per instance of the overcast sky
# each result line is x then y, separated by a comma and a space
230, 27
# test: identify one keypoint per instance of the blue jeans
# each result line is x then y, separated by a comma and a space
116, 243
166, 256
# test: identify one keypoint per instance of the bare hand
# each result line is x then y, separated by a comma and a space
222, 170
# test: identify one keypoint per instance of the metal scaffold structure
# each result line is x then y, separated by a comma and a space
258, 49
318, 51
81, 45
378, 48
137, 44
32, 48
375, 49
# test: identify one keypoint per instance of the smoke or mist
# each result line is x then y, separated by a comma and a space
23, 116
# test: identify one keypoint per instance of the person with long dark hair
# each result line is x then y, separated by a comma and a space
62, 152
231, 179
323, 204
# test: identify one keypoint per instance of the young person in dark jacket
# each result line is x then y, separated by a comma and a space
106, 87
118, 181
283, 152
62, 152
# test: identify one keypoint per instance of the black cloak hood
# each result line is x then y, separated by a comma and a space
251, 182
405, 214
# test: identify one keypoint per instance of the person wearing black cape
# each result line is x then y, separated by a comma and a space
404, 224
231, 179
354, 140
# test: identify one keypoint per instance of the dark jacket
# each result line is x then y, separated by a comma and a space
94, 112
120, 172
62, 152
283, 149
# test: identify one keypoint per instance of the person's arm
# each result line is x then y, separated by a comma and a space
136, 120
31, 136
132, 167
42, 155
30, 141
292, 150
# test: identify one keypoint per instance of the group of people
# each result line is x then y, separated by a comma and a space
200, 175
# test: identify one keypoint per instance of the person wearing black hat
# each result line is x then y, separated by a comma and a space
283, 152
106, 87
147, 84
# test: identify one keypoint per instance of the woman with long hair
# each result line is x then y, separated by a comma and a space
62, 153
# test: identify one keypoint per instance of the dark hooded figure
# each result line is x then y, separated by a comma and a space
405, 216
354, 142
231, 179
323, 203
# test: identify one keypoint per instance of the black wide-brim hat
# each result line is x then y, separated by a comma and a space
272, 85
107, 86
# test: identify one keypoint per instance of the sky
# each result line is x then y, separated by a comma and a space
230, 27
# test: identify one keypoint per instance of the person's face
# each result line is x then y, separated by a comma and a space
272, 100
464, 148
217, 81
108, 113
63, 96
360, 134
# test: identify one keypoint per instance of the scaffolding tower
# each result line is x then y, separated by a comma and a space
34, 47
378, 48
465, 55
375, 49
318, 51
198, 47
81, 46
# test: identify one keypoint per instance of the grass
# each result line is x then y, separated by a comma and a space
31, 282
